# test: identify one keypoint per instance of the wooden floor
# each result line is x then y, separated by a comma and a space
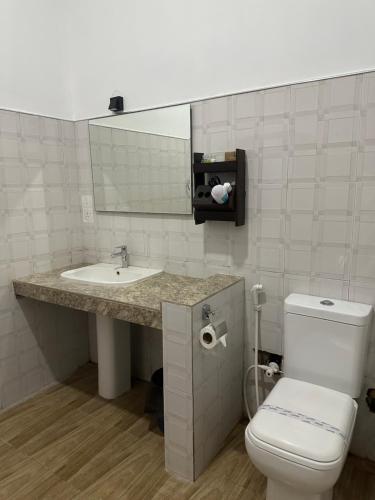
68, 443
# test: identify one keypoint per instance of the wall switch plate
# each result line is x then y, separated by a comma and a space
87, 209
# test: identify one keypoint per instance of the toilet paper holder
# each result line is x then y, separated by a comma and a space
214, 334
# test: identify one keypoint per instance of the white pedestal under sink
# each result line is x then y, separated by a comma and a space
111, 336
114, 361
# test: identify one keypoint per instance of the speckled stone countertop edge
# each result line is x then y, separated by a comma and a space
139, 303
118, 310
17, 283
237, 279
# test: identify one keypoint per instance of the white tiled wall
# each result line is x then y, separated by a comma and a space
310, 203
40, 229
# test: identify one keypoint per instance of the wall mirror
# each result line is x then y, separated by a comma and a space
141, 162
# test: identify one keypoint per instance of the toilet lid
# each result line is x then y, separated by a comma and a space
305, 420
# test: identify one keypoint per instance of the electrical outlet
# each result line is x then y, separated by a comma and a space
87, 209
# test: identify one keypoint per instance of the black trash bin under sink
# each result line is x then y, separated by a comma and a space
155, 399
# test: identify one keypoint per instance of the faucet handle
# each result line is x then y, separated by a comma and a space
122, 247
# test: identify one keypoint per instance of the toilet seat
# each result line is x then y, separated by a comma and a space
305, 423
299, 439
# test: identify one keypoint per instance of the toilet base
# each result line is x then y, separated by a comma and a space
280, 491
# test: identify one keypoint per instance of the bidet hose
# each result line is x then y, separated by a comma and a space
245, 390
257, 310
256, 349
258, 297
270, 372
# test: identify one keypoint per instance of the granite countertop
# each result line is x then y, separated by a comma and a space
138, 303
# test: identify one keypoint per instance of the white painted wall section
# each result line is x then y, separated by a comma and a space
173, 121
165, 52
34, 58
65, 59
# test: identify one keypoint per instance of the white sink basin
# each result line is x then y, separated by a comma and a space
109, 274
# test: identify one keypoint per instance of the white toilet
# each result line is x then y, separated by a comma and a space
300, 435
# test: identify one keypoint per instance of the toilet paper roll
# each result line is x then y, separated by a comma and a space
214, 334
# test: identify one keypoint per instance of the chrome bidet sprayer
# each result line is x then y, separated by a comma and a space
259, 298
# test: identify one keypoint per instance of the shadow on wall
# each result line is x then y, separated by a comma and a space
226, 246
146, 351
53, 344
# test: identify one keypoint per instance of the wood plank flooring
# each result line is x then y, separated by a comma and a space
67, 443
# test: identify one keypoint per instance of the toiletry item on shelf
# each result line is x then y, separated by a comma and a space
230, 156
213, 157
214, 181
208, 158
219, 156
220, 193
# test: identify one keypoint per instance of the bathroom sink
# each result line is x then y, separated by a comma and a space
109, 274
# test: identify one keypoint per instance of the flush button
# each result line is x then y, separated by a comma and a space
327, 302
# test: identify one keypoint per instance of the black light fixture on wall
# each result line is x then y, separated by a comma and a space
116, 104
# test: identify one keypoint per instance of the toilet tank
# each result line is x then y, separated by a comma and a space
325, 341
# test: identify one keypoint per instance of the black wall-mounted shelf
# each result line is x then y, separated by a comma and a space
205, 207
217, 166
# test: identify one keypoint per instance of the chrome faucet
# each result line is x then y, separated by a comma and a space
123, 253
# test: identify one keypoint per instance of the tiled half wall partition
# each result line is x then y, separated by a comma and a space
202, 388
40, 229
311, 205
